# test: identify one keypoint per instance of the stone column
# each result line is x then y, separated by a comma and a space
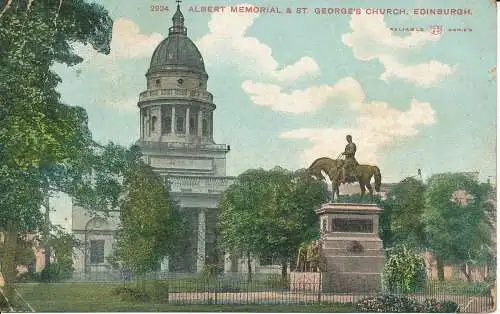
211, 125
174, 122
187, 121
141, 120
228, 263
201, 240
200, 118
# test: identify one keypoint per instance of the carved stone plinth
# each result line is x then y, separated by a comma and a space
352, 247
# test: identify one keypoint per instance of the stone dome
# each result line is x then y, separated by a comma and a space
177, 50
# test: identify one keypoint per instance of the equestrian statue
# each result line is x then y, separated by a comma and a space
347, 170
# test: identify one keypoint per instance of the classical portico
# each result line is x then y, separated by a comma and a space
176, 138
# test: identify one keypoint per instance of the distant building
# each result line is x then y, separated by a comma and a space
176, 138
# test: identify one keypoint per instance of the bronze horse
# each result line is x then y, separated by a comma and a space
333, 169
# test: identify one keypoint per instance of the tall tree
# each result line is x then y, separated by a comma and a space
148, 221
405, 203
270, 212
40, 136
457, 208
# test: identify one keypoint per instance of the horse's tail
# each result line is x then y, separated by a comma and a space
378, 179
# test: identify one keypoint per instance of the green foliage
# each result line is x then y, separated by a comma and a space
270, 211
55, 272
41, 138
405, 203
211, 271
401, 304
388, 304
63, 244
457, 217
148, 223
131, 294
404, 271
434, 306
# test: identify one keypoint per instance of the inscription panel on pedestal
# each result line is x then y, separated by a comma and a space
352, 225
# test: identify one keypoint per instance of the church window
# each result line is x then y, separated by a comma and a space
167, 125
96, 251
158, 82
153, 123
180, 125
204, 127
192, 126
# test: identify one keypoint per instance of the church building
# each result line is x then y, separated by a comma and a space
176, 113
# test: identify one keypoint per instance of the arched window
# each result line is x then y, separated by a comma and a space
180, 125
204, 127
192, 125
167, 125
154, 120
158, 82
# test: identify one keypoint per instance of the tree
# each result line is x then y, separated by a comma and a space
270, 212
148, 222
39, 136
405, 206
456, 216
404, 271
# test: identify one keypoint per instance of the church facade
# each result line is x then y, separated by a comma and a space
176, 138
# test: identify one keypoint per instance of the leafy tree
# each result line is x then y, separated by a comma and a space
404, 271
270, 211
40, 137
456, 218
405, 206
148, 221
63, 245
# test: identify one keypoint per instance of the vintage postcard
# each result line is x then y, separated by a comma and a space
239, 156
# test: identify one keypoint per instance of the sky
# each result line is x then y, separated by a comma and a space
290, 86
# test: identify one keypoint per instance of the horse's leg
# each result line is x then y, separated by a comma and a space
370, 190
362, 187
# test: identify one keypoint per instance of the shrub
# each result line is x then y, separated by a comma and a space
131, 294
55, 272
211, 271
388, 303
29, 276
401, 304
404, 271
434, 306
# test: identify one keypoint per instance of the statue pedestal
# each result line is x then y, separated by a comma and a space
352, 247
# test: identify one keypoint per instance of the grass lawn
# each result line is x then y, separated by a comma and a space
96, 297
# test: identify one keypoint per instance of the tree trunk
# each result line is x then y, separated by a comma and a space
8, 264
466, 271
249, 266
284, 268
440, 268
284, 276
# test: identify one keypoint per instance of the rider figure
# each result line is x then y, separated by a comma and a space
350, 162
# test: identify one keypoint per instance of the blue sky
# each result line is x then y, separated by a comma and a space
289, 87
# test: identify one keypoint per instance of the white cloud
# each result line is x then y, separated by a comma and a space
127, 43
227, 42
423, 74
346, 91
378, 126
128, 105
370, 39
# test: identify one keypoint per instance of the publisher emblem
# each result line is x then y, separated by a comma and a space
436, 29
